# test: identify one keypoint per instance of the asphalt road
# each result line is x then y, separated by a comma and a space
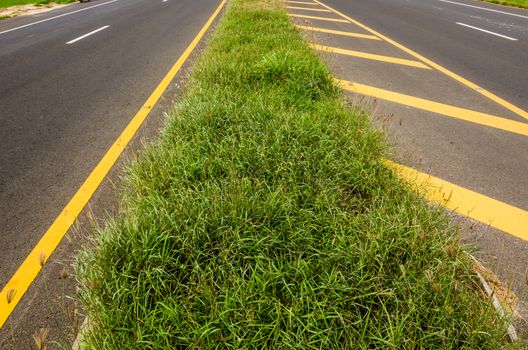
65, 98
430, 28
494, 164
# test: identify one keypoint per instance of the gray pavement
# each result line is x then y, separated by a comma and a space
429, 28
62, 106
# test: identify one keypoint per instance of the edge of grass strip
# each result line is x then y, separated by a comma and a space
264, 217
511, 3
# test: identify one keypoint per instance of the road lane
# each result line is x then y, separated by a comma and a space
497, 9
487, 31
429, 27
12, 25
73, 41
64, 105
504, 182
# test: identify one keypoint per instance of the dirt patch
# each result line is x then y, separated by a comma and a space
506, 296
29, 9
510, 303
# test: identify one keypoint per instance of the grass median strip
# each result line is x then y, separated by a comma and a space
515, 3
8, 3
264, 217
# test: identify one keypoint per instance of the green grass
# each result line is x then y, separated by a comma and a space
516, 3
8, 3
264, 218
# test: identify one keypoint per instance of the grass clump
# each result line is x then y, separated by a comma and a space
265, 218
9, 3
515, 3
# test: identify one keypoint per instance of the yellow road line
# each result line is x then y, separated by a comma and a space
318, 18
302, 2
427, 61
338, 32
29, 269
487, 210
307, 9
370, 56
440, 108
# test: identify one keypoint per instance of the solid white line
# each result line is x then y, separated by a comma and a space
55, 17
486, 31
484, 8
86, 35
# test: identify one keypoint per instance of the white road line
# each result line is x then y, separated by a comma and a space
86, 35
484, 8
55, 17
487, 31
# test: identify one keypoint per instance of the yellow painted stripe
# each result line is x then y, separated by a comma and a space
440, 68
338, 32
370, 56
29, 269
487, 210
318, 18
440, 108
307, 9
302, 2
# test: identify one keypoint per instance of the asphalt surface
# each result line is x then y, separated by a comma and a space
62, 107
429, 28
489, 161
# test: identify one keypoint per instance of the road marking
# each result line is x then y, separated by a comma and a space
318, 18
439, 108
487, 210
370, 56
486, 31
307, 9
484, 8
302, 2
29, 269
86, 35
55, 17
338, 32
438, 67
